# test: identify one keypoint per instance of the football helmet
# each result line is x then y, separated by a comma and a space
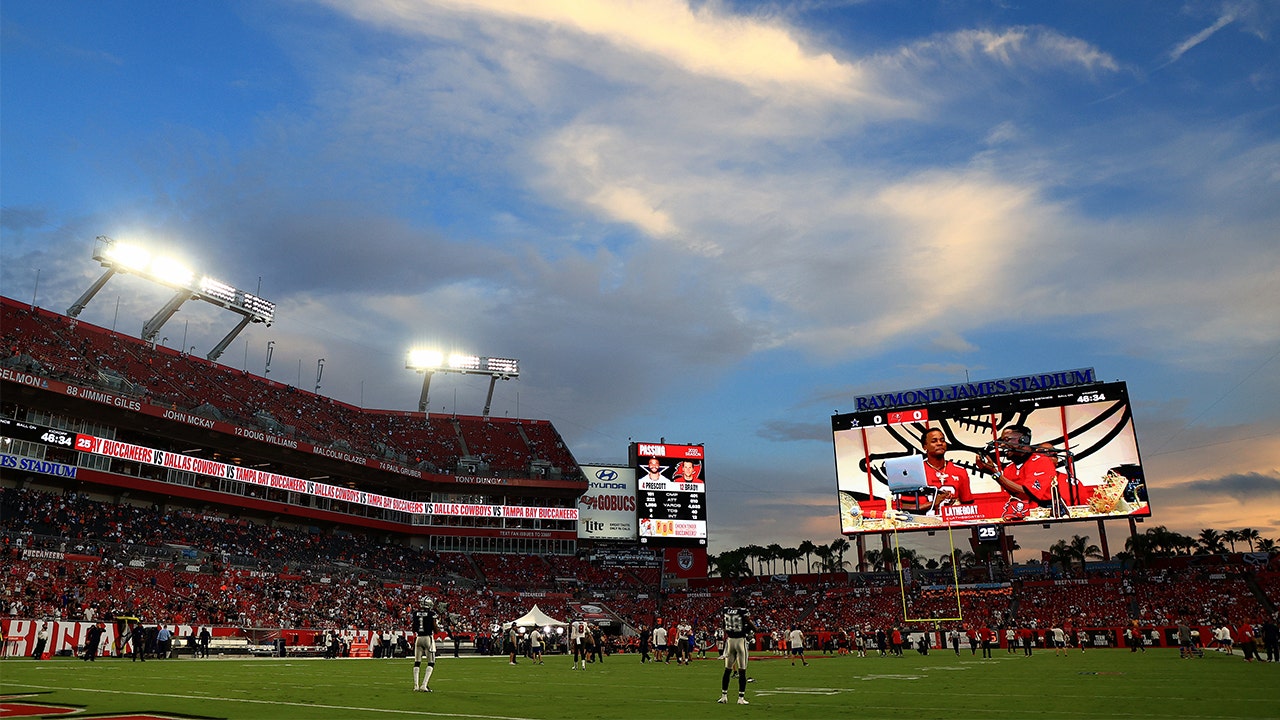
426, 603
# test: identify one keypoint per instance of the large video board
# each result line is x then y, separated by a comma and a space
992, 456
671, 494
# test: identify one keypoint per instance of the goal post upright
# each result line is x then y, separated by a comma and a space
902, 585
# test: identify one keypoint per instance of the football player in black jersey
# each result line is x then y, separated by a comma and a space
426, 620
738, 629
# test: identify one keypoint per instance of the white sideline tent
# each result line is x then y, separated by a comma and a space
536, 618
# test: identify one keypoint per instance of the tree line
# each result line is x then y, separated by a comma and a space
1140, 549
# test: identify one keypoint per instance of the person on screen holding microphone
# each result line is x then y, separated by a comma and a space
1028, 476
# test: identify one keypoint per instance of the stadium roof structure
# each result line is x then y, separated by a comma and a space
118, 257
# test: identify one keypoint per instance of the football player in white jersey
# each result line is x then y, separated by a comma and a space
578, 642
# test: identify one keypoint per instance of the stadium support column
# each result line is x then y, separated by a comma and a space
217, 350
862, 553
488, 401
1102, 532
79, 305
426, 386
152, 327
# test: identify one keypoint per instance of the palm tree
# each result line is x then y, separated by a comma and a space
757, 553
1166, 543
807, 547
1081, 550
909, 558
840, 546
731, 563
1155, 538
1186, 545
1210, 541
1230, 537
792, 555
1249, 535
1141, 547
775, 553
875, 558
1060, 553
1266, 545
824, 557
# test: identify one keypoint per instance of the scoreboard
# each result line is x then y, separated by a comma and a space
1080, 443
19, 430
671, 494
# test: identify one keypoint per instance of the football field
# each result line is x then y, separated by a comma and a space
1096, 684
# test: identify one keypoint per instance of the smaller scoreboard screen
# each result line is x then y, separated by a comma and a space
36, 433
671, 494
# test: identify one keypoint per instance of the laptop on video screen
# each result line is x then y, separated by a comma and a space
905, 474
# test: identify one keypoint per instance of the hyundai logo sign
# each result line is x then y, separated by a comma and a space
606, 475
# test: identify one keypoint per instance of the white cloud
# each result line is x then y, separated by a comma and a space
1033, 48
1183, 47
949, 341
754, 52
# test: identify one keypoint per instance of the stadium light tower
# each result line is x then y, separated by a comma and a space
429, 362
118, 257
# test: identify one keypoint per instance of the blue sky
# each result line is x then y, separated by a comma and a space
711, 222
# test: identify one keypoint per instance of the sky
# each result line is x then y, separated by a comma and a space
708, 222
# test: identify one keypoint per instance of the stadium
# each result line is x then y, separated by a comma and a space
536, 360
141, 483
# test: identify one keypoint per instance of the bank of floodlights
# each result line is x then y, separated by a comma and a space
118, 257
429, 362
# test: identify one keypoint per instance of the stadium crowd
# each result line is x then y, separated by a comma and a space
73, 556
70, 556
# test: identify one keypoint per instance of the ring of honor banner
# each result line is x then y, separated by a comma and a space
991, 453
671, 494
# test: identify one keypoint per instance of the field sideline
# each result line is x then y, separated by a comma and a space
1094, 684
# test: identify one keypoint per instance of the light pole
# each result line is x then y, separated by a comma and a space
429, 362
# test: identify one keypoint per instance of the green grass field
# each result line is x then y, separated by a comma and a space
1095, 684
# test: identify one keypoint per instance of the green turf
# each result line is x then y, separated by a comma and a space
1095, 684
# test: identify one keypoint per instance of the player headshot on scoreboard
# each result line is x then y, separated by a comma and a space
688, 471
653, 468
